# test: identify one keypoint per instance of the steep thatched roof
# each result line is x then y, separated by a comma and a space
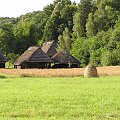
2, 57
64, 57
33, 54
50, 48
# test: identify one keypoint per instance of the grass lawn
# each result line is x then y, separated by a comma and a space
65, 98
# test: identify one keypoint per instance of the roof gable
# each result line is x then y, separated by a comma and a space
50, 48
26, 55
64, 57
39, 56
33, 54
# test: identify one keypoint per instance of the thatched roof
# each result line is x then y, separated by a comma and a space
33, 54
50, 48
2, 58
64, 57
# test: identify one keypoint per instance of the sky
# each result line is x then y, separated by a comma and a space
15, 8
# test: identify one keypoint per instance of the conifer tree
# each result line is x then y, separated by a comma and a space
85, 7
90, 26
65, 40
51, 27
78, 30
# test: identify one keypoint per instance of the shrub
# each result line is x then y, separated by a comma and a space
110, 58
95, 57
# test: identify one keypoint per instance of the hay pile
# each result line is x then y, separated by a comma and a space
90, 71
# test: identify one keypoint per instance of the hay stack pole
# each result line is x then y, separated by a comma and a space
90, 71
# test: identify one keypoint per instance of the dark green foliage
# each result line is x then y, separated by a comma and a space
50, 30
11, 57
7, 40
61, 17
67, 14
105, 17
85, 7
24, 36
116, 32
114, 4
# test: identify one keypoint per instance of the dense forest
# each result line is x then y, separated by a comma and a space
89, 30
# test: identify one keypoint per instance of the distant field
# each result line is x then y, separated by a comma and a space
102, 71
65, 98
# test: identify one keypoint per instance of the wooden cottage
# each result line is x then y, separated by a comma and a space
3, 60
64, 60
33, 57
50, 48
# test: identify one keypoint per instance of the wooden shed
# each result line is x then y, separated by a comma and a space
33, 57
49, 48
65, 60
3, 60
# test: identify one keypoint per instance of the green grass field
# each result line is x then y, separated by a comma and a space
66, 98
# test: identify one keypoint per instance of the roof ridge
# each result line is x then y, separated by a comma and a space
51, 43
32, 54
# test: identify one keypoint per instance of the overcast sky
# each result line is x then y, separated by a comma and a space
15, 8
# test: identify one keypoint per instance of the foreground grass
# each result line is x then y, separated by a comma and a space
66, 98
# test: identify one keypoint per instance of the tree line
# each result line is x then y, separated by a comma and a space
89, 30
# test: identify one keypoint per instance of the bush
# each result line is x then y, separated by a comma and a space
95, 57
11, 59
80, 50
110, 58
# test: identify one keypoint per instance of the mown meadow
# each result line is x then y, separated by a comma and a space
59, 98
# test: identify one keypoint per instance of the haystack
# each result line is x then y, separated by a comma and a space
90, 71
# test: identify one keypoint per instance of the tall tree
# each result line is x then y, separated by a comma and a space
51, 27
7, 40
78, 30
105, 17
90, 26
24, 35
65, 40
55, 23
67, 14
85, 7
61, 42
